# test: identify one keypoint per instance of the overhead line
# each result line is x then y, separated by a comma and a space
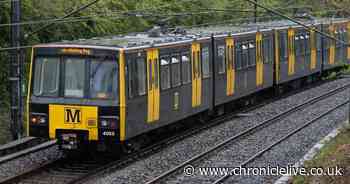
297, 22
197, 25
126, 13
66, 16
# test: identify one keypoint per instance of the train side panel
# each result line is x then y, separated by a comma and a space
253, 66
184, 76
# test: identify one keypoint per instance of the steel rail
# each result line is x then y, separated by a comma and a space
27, 151
17, 145
79, 176
156, 147
247, 132
260, 153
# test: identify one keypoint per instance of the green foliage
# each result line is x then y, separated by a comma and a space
106, 18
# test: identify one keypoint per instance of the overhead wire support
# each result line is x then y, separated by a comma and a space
16, 67
297, 22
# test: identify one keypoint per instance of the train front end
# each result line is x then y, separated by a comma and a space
73, 96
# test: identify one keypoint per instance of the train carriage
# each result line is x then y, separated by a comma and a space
181, 86
110, 91
96, 86
243, 61
297, 53
335, 53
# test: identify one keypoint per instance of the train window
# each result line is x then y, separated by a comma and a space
130, 72
307, 43
337, 35
238, 56
165, 73
252, 54
141, 75
221, 58
266, 48
245, 55
319, 42
283, 45
103, 79
46, 76
271, 51
74, 77
205, 62
302, 45
175, 71
186, 68
297, 46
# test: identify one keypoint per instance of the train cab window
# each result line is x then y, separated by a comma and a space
46, 76
238, 56
245, 55
175, 71
74, 77
221, 58
186, 68
205, 62
252, 54
103, 79
165, 73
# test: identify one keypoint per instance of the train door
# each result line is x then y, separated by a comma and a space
196, 76
313, 49
332, 45
259, 60
348, 40
291, 51
277, 56
230, 74
153, 85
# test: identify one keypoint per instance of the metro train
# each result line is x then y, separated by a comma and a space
112, 91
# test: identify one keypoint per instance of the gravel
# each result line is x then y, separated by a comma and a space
294, 148
147, 168
30, 161
241, 150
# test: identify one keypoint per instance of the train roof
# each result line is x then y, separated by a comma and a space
146, 40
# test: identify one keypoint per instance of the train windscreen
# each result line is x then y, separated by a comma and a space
75, 77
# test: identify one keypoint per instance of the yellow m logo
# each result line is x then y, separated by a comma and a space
72, 115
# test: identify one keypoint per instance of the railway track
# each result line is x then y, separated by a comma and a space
260, 153
21, 144
162, 177
23, 147
71, 170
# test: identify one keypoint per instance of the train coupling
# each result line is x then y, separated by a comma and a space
69, 141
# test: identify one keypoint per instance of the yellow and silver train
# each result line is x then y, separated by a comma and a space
110, 91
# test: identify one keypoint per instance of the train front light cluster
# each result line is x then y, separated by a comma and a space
38, 119
109, 122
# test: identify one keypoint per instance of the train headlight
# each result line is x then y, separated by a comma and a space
38, 118
109, 122
104, 123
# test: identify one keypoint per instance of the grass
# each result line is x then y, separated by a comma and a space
335, 153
